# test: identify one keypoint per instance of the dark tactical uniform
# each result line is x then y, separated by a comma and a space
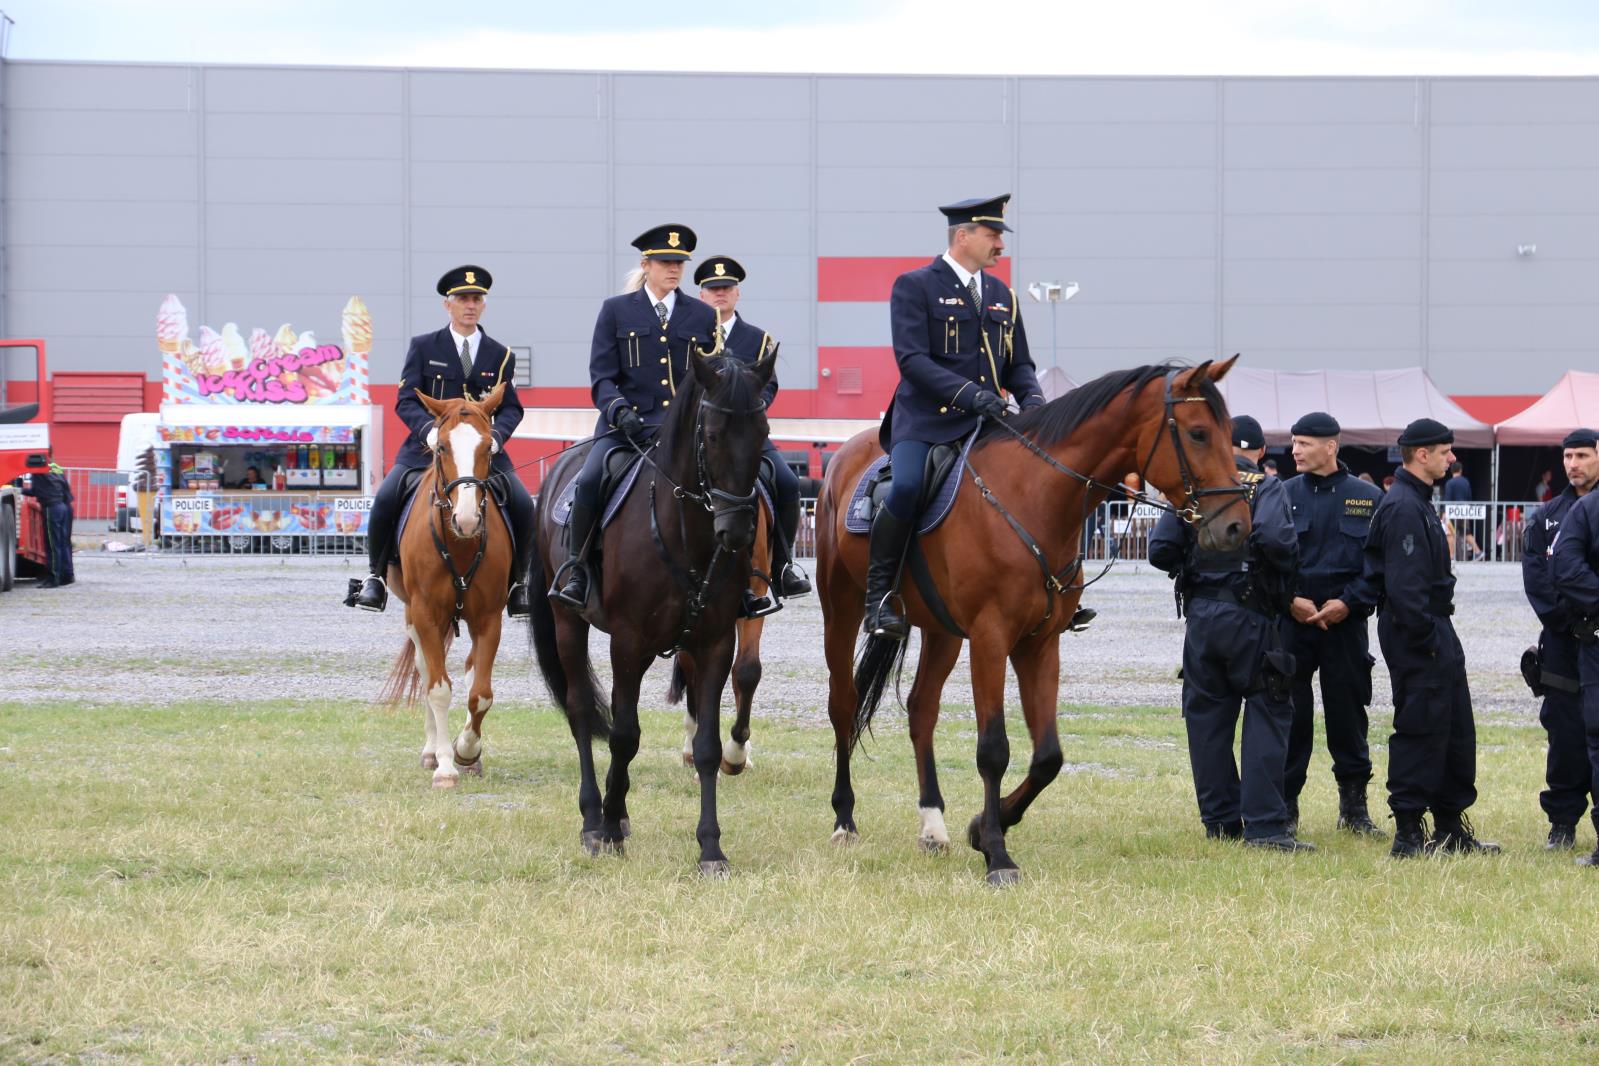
635, 364
1575, 565
54, 496
1331, 516
1232, 603
954, 357
1432, 754
1568, 770
433, 365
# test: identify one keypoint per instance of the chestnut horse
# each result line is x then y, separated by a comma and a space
455, 562
1034, 478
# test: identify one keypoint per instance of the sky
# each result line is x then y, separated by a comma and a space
1174, 37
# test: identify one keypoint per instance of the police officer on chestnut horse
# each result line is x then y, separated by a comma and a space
458, 361
958, 340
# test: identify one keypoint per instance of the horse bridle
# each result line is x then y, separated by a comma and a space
461, 582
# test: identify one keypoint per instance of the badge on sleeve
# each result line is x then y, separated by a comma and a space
1409, 543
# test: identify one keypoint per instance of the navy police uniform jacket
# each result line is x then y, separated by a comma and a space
1537, 574
433, 365
634, 362
1173, 547
751, 344
1406, 566
49, 489
1332, 514
1575, 563
947, 350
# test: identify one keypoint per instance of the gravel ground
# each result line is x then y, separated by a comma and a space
157, 629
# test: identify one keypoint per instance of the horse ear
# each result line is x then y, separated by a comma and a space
1193, 377
704, 370
1219, 371
491, 403
766, 368
436, 408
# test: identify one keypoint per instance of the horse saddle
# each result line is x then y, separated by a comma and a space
941, 481
622, 467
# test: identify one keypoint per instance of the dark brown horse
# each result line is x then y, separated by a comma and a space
455, 559
676, 563
1034, 478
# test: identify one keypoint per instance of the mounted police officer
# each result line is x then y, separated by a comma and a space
1332, 511
959, 341
458, 361
1560, 665
643, 340
719, 278
1432, 755
1232, 655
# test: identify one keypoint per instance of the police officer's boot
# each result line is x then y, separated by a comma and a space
1352, 813
1591, 860
1453, 834
889, 538
791, 580
1562, 837
574, 590
373, 594
1292, 826
1410, 835
516, 604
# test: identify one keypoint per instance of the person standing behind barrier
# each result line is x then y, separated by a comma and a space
1232, 654
54, 495
1458, 490
1551, 669
1332, 511
1432, 754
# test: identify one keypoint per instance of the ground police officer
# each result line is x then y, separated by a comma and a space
643, 340
1432, 755
1232, 654
54, 496
1332, 510
958, 340
1551, 668
458, 360
719, 279
1575, 567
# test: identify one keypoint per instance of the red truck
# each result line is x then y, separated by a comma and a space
24, 449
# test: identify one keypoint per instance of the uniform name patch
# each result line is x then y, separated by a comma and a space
1358, 507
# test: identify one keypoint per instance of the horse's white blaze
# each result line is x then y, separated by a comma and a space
439, 706
933, 830
464, 439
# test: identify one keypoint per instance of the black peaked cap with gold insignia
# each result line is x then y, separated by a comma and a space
672, 242
990, 212
719, 271
465, 279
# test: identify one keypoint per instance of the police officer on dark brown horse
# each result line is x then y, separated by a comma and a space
958, 340
719, 278
642, 343
458, 360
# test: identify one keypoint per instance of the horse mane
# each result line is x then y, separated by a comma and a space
734, 388
1056, 420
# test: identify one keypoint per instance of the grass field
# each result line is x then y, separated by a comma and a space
279, 884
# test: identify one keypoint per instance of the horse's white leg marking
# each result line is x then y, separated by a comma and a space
422, 672
688, 739
734, 753
439, 705
468, 742
934, 834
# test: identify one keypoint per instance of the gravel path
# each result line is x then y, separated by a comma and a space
154, 629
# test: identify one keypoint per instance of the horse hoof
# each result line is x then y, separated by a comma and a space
731, 769
1004, 878
627, 828
446, 781
473, 768
688, 760
593, 842
430, 761
715, 869
933, 846
844, 835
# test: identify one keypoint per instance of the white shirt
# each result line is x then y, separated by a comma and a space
964, 277
727, 327
670, 300
475, 340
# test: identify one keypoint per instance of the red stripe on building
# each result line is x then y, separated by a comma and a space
870, 279
855, 382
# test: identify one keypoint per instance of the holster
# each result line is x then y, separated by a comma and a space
1586, 630
1277, 675
1532, 671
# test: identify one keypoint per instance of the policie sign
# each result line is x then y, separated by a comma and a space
1465, 512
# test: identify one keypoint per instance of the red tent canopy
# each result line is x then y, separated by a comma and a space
1573, 402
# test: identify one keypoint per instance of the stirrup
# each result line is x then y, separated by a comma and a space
558, 585
382, 598
516, 602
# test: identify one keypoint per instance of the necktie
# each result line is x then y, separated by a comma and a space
466, 360
660, 310
977, 300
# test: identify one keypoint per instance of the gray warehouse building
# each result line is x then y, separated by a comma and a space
1320, 222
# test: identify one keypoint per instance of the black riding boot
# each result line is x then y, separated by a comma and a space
1410, 835
1352, 812
516, 604
889, 538
373, 594
1452, 832
574, 591
790, 579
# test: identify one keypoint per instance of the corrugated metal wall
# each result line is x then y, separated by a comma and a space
1309, 222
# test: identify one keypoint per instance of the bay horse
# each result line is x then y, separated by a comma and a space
675, 567
455, 562
1005, 564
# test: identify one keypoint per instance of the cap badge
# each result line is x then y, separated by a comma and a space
471, 277
720, 269
672, 239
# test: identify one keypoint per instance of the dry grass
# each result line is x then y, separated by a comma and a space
278, 884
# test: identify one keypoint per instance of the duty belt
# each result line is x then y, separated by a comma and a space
1441, 610
1211, 592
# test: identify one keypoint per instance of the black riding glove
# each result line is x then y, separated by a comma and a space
1035, 400
631, 425
989, 405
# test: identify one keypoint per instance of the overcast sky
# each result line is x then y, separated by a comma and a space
1361, 37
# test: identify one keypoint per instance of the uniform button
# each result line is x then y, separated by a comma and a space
666, 403
952, 318
630, 333
663, 340
663, 359
663, 381
981, 377
943, 410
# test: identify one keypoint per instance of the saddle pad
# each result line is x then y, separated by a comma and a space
613, 503
933, 514
410, 502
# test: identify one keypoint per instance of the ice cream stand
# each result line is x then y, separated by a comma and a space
268, 441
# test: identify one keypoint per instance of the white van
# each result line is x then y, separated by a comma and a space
138, 433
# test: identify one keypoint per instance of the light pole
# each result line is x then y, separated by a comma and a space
1056, 294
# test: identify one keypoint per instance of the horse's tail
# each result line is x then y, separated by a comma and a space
674, 692
404, 683
541, 637
880, 658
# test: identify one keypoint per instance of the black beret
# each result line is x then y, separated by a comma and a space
465, 279
1316, 424
1424, 431
1247, 433
719, 271
1581, 438
672, 242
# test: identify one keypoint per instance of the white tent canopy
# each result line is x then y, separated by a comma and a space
1573, 402
1055, 382
1372, 406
